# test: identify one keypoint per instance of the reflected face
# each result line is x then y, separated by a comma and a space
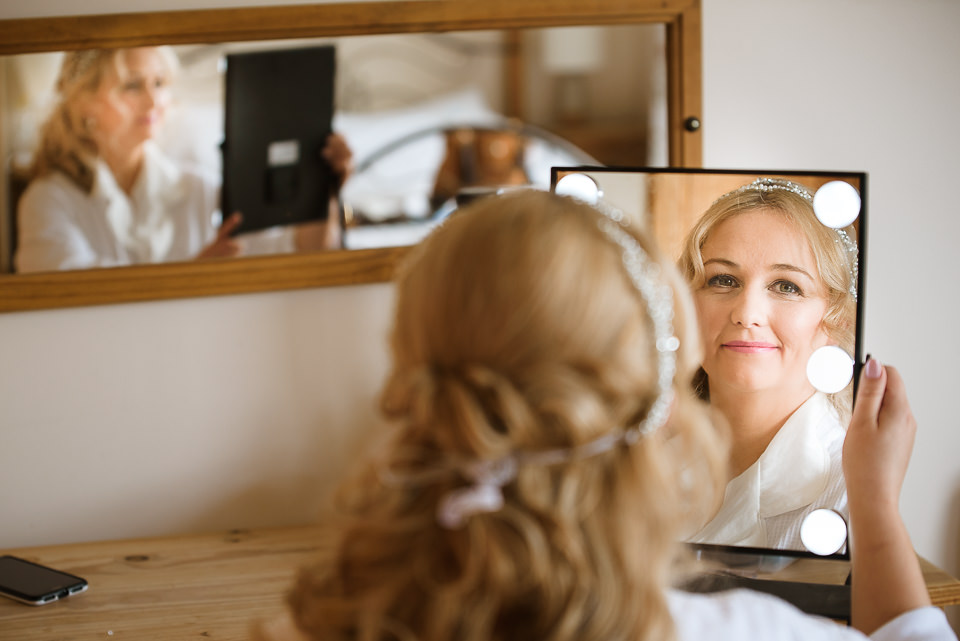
761, 306
130, 105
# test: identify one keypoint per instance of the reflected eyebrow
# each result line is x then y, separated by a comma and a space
785, 267
779, 267
721, 261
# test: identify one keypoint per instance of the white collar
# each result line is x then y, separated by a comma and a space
142, 222
791, 473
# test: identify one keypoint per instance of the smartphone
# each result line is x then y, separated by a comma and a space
36, 584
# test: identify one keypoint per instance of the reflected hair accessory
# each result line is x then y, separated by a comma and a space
485, 494
771, 184
77, 63
843, 238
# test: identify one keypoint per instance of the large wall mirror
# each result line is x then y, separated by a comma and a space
579, 82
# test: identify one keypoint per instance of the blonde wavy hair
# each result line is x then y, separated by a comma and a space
66, 143
517, 329
831, 257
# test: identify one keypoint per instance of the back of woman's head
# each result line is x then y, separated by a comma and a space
518, 330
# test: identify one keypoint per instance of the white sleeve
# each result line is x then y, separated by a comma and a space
49, 237
742, 615
920, 624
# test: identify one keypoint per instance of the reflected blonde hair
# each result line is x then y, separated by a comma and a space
517, 329
66, 143
830, 255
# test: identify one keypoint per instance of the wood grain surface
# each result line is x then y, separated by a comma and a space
210, 586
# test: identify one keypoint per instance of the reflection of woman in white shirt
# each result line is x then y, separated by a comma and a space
103, 194
772, 285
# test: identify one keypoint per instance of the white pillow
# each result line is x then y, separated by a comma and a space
400, 182
367, 132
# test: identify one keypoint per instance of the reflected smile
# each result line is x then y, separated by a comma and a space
749, 347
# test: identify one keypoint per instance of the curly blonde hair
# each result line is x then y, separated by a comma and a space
517, 329
66, 143
832, 259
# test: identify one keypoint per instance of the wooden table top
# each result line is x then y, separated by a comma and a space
211, 586
189, 587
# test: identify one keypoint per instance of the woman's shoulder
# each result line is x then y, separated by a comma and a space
50, 192
743, 614
51, 183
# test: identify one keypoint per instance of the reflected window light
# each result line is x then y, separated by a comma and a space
579, 186
836, 204
830, 369
823, 532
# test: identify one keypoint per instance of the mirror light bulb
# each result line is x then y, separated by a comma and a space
836, 204
830, 369
823, 532
579, 186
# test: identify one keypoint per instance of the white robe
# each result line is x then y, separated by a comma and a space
740, 615
800, 471
171, 214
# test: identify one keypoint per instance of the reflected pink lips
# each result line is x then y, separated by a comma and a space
750, 347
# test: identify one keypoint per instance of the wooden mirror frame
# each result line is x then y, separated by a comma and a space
295, 271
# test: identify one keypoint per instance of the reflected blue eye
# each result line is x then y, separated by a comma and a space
140, 84
786, 287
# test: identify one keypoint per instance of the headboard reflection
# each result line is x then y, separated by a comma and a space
774, 260
499, 26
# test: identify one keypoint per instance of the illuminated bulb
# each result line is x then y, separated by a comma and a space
836, 204
823, 532
579, 186
830, 369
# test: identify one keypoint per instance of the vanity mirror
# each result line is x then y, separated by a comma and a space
774, 262
515, 30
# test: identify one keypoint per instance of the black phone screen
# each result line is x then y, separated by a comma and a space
27, 581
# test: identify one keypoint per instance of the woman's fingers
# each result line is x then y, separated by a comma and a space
232, 222
338, 154
870, 393
895, 413
879, 440
224, 246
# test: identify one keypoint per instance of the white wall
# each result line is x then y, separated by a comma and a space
190, 415
184, 416
852, 85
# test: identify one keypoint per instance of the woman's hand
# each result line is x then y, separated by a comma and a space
327, 234
340, 158
879, 440
885, 577
224, 246
318, 236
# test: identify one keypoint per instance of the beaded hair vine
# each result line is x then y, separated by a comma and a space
843, 238
488, 477
77, 63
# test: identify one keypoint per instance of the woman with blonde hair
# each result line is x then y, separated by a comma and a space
772, 285
104, 194
548, 452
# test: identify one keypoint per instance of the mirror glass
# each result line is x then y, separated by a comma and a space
411, 107
779, 304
